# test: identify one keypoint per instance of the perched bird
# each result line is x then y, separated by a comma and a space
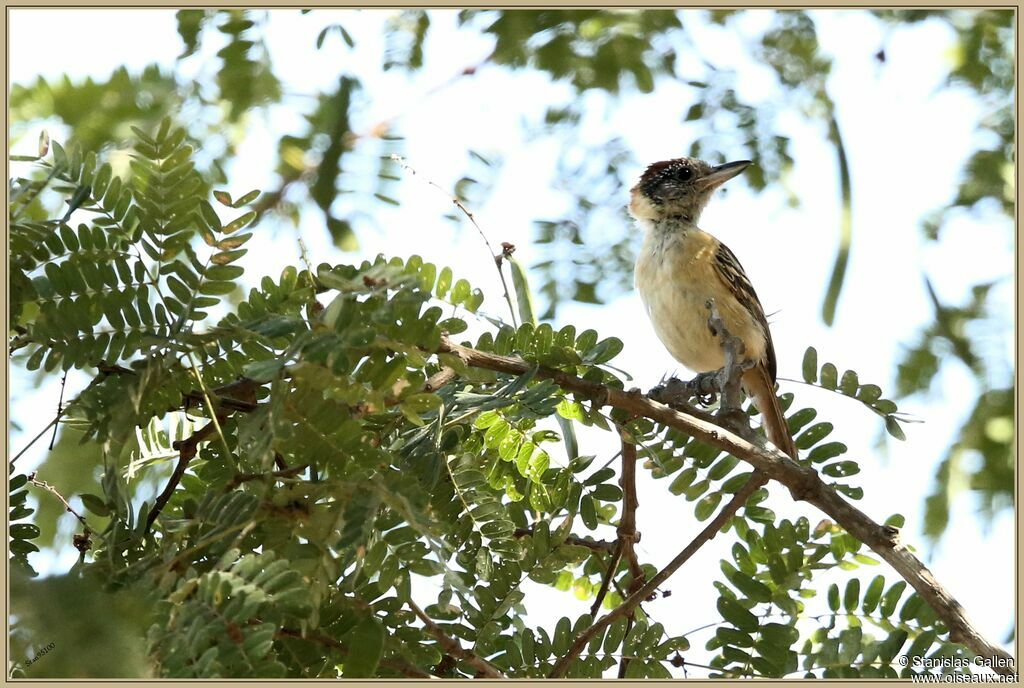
681, 267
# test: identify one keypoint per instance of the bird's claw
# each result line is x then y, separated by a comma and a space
703, 388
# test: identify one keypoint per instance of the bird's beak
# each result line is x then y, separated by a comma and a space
723, 173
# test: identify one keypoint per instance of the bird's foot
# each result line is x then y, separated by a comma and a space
703, 389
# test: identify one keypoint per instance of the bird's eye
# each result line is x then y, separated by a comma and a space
685, 174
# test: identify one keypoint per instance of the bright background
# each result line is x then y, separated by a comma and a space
905, 133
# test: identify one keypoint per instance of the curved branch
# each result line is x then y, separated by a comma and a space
626, 608
803, 482
453, 647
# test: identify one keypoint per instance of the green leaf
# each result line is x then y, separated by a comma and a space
851, 596
891, 598
868, 393
226, 257
239, 222
833, 597
24, 531
707, 505
810, 365
365, 649
754, 589
561, 639
95, 504
209, 216
892, 426
599, 476
849, 384
444, 281
568, 437
841, 469
606, 350
873, 594
261, 371
524, 296
607, 493
460, 292
824, 452
813, 435
616, 634
588, 512
829, 376
246, 198
734, 613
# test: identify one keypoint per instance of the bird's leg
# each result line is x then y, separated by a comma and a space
728, 379
673, 392
705, 387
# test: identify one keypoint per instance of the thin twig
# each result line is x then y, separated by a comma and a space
34, 439
495, 257
803, 482
626, 531
60, 408
609, 575
453, 647
53, 490
626, 608
630, 502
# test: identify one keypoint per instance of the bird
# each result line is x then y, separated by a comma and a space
681, 269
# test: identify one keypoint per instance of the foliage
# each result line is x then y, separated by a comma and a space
982, 63
324, 484
326, 481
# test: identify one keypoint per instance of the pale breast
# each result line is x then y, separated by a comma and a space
675, 279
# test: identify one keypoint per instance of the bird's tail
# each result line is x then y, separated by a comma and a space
759, 386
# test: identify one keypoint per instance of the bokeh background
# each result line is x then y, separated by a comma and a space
877, 224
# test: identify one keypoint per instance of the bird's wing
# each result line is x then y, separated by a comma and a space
728, 268
760, 380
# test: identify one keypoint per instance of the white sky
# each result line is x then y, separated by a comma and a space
906, 137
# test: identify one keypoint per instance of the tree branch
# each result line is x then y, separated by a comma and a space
439, 379
803, 482
186, 452
453, 647
710, 530
627, 535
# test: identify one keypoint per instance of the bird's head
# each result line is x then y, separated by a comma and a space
679, 188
